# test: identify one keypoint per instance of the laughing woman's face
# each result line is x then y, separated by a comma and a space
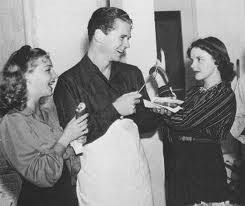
41, 78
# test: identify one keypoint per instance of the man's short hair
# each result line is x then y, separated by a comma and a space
104, 18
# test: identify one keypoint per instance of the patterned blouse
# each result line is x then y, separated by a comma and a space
207, 113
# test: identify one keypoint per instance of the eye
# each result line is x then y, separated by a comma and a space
48, 70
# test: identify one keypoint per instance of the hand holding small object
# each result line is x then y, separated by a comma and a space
78, 143
167, 101
74, 129
125, 104
163, 105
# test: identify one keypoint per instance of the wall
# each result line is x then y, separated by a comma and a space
11, 28
225, 20
60, 27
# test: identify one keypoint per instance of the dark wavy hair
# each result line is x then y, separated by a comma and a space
13, 91
104, 19
218, 51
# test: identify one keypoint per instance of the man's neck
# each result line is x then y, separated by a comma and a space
101, 61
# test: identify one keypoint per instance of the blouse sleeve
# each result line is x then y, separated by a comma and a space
37, 163
211, 110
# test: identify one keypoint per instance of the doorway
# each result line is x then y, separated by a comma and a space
169, 38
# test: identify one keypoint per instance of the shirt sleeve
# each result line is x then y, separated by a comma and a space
239, 123
66, 100
42, 167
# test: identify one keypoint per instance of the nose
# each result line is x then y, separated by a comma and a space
193, 64
54, 75
126, 43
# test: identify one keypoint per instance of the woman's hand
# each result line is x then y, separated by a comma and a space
75, 128
162, 111
167, 105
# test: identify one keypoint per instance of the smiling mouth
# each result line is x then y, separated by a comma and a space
51, 84
122, 53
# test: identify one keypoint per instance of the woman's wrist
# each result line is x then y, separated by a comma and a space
59, 148
64, 140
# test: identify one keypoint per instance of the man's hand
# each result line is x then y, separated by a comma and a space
125, 104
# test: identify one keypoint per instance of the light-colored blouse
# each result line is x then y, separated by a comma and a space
27, 142
239, 123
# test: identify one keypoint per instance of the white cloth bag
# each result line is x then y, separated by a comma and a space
114, 169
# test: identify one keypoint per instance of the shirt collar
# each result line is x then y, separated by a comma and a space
93, 68
27, 111
213, 88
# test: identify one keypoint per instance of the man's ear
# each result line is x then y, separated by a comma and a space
99, 35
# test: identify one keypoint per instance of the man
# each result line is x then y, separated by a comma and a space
107, 86
109, 89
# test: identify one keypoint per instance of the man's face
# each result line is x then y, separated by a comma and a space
117, 40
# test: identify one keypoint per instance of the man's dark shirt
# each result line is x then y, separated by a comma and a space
85, 83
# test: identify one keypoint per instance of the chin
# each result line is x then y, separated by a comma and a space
116, 59
49, 93
197, 77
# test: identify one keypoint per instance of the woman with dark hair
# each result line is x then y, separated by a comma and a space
32, 141
195, 170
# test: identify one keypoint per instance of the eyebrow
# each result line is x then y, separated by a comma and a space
198, 56
124, 35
